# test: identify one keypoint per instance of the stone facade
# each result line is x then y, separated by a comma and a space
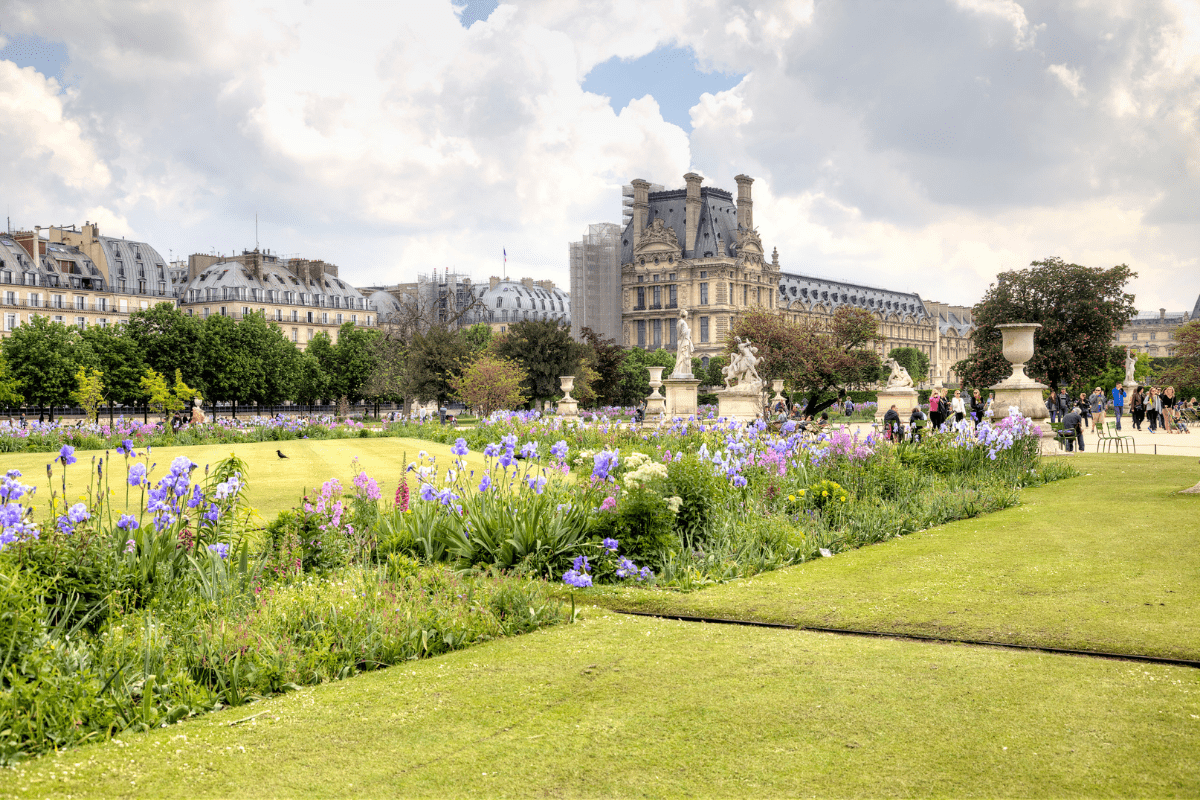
1154, 333
696, 248
302, 296
60, 278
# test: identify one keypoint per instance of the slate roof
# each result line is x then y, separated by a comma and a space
716, 233
808, 289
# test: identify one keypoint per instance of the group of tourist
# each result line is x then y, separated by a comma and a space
956, 408
1158, 409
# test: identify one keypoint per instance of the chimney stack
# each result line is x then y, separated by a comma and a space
641, 206
1162, 313
692, 212
745, 206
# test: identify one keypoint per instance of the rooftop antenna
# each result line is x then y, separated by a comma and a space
256, 231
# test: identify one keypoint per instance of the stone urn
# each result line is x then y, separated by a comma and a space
568, 407
655, 380
777, 388
1018, 348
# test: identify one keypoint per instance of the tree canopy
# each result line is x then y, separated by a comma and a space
1079, 308
545, 350
44, 357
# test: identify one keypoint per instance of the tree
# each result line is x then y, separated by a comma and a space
273, 374
9, 396
1186, 369
167, 340
312, 384
913, 360
635, 373
120, 359
712, 375
89, 391
160, 399
44, 357
606, 359
815, 362
324, 380
545, 350
184, 393
477, 338
490, 384
1079, 308
228, 371
355, 358
435, 359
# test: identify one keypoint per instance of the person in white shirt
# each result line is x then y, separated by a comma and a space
956, 405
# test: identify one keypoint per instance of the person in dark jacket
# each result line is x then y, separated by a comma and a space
1073, 421
891, 423
1052, 406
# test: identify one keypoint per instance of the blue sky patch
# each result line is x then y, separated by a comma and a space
33, 51
669, 74
476, 10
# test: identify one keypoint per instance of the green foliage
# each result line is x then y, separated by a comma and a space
545, 350
490, 384
44, 357
1079, 308
119, 359
606, 359
435, 360
159, 396
699, 488
9, 396
89, 392
635, 377
642, 523
913, 360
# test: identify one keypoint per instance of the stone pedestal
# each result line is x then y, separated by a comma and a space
681, 399
568, 407
740, 403
905, 400
1019, 390
656, 404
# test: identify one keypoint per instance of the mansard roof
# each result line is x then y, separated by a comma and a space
275, 277
832, 293
716, 233
61, 266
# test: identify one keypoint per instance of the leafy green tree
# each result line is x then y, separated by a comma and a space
490, 384
89, 391
1185, 371
635, 373
435, 360
478, 338
913, 360
815, 362
606, 359
355, 360
9, 396
44, 357
712, 376
227, 372
312, 384
273, 373
160, 398
120, 359
545, 350
169, 339
1079, 308
324, 383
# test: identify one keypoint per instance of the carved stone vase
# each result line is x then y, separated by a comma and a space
568, 407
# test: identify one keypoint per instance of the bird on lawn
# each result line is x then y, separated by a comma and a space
280, 454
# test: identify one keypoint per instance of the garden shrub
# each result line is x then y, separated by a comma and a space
699, 489
642, 523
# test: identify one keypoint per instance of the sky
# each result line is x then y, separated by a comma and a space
921, 146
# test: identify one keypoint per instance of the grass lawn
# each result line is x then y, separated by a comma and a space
626, 706
1106, 561
275, 484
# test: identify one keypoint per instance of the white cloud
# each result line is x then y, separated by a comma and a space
1068, 77
920, 146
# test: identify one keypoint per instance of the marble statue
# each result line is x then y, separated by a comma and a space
899, 377
742, 371
198, 416
1130, 366
684, 347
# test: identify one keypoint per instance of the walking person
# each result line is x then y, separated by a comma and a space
1118, 403
1085, 409
1137, 408
1167, 418
1154, 408
1052, 406
956, 405
935, 419
1096, 405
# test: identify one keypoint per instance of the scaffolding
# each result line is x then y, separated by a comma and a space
596, 281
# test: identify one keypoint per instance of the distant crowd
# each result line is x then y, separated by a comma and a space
1157, 408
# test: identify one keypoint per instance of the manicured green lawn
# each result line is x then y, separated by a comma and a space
1106, 561
275, 483
625, 706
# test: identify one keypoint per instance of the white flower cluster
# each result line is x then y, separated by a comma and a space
644, 473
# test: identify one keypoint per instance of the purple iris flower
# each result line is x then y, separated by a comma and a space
460, 447
610, 545
127, 522
66, 455
137, 474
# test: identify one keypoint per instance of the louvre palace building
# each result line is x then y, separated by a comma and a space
697, 248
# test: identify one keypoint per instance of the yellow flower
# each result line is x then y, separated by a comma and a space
802, 491
843, 499
791, 498
824, 494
